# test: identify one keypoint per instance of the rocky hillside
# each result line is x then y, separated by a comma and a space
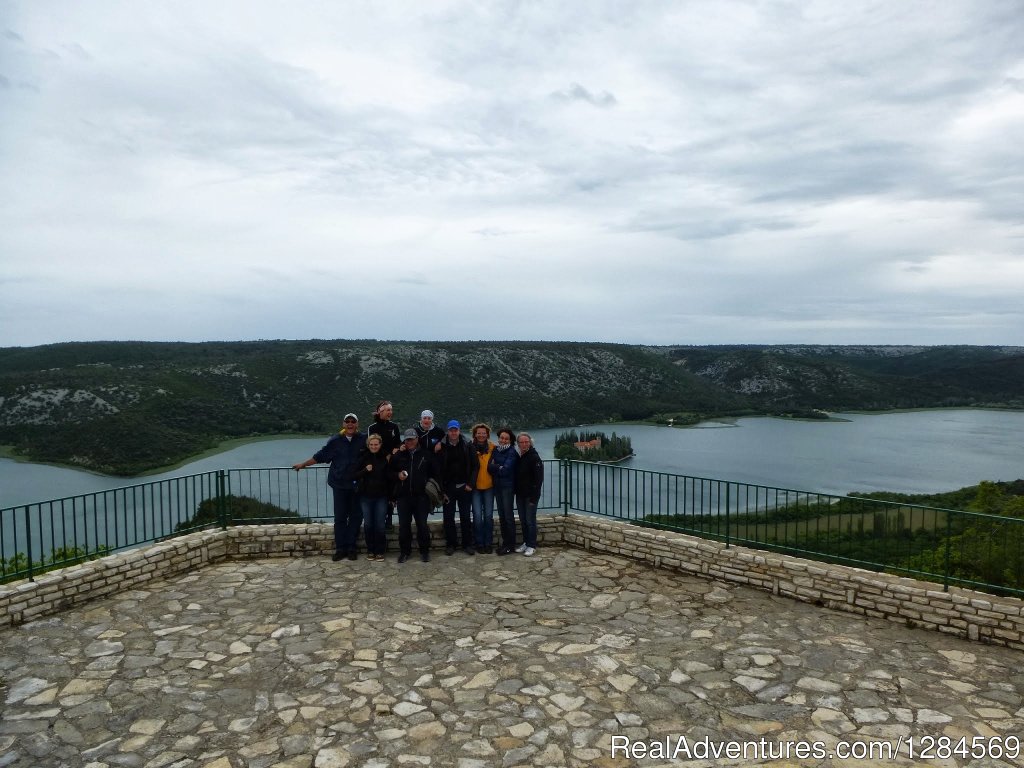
127, 407
796, 378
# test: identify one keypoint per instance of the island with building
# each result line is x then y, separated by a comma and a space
593, 446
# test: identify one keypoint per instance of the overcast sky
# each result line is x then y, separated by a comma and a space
669, 172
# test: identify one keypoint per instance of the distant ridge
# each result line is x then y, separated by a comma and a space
129, 407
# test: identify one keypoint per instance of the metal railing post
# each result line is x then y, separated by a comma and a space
728, 532
565, 490
222, 504
949, 540
567, 500
28, 540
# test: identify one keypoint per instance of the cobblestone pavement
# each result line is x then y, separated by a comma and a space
480, 661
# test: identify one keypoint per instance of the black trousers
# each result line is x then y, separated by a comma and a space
413, 508
462, 499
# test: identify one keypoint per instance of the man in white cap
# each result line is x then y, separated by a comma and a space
342, 452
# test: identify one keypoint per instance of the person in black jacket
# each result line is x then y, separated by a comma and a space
372, 479
457, 468
342, 452
430, 434
529, 479
382, 425
411, 468
391, 436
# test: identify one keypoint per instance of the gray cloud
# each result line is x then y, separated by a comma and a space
730, 172
576, 92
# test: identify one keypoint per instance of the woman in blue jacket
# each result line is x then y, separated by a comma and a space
502, 467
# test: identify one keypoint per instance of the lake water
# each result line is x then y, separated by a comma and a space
919, 451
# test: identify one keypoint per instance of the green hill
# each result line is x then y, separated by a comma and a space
128, 407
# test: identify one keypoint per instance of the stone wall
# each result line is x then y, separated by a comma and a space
318, 538
961, 612
54, 591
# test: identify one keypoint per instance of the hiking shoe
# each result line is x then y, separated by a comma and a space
337, 556
425, 557
449, 551
521, 548
469, 551
529, 551
403, 558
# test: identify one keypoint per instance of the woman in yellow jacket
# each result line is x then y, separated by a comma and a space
483, 490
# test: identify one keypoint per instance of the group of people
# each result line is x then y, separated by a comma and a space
413, 471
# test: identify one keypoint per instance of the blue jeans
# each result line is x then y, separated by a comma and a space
528, 520
375, 513
483, 517
506, 517
348, 516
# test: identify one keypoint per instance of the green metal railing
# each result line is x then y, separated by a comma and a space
949, 546
59, 532
945, 545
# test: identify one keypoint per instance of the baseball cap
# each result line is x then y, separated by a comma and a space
453, 424
410, 434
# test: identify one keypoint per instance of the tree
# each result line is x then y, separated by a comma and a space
989, 498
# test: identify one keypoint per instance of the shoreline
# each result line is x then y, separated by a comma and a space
616, 461
731, 421
223, 447
711, 422
7, 452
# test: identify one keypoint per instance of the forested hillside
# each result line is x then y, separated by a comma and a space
127, 407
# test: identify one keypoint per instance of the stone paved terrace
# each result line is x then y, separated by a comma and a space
473, 662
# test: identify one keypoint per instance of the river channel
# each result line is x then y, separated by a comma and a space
913, 452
